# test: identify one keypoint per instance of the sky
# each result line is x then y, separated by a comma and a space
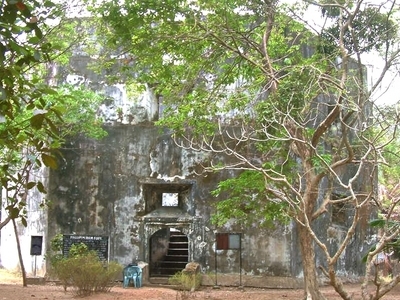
388, 93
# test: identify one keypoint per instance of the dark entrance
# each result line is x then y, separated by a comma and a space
169, 252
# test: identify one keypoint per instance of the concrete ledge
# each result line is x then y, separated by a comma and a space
35, 280
272, 282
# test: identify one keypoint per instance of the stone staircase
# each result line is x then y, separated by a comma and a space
177, 256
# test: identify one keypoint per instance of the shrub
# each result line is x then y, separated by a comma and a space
84, 272
186, 281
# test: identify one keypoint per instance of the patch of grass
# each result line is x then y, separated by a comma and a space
186, 281
7, 276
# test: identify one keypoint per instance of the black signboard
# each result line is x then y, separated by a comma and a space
94, 242
36, 244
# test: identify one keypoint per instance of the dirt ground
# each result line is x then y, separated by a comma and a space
11, 289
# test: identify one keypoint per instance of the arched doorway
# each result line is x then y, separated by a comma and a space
169, 252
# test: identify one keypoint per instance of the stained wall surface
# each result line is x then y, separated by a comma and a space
109, 187
114, 187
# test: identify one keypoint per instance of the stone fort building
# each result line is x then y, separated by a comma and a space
144, 195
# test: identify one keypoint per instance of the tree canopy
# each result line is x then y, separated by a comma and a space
287, 100
35, 115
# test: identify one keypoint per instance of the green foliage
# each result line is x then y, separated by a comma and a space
133, 89
22, 48
35, 118
80, 249
321, 161
247, 83
371, 29
389, 173
38, 130
78, 107
208, 63
64, 37
392, 245
54, 254
56, 243
84, 272
386, 135
186, 281
330, 9
246, 200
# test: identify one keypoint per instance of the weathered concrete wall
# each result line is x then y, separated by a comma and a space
102, 188
108, 188
113, 187
35, 265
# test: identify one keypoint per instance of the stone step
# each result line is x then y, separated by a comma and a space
178, 251
174, 239
178, 245
173, 264
174, 257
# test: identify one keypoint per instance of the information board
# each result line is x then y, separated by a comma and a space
94, 242
228, 241
36, 244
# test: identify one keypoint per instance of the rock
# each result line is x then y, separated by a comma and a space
192, 270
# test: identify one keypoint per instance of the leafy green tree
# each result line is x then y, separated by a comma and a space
36, 116
389, 173
388, 221
21, 48
288, 103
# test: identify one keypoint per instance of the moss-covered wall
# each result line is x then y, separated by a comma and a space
110, 187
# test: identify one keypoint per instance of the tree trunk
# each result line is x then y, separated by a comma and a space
21, 262
311, 285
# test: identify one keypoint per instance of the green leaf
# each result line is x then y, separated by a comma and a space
34, 40
14, 212
36, 55
364, 258
37, 121
378, 223
31, 185
53, 128
41, 187
38, 32
48, 4
49, 91
49, 161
